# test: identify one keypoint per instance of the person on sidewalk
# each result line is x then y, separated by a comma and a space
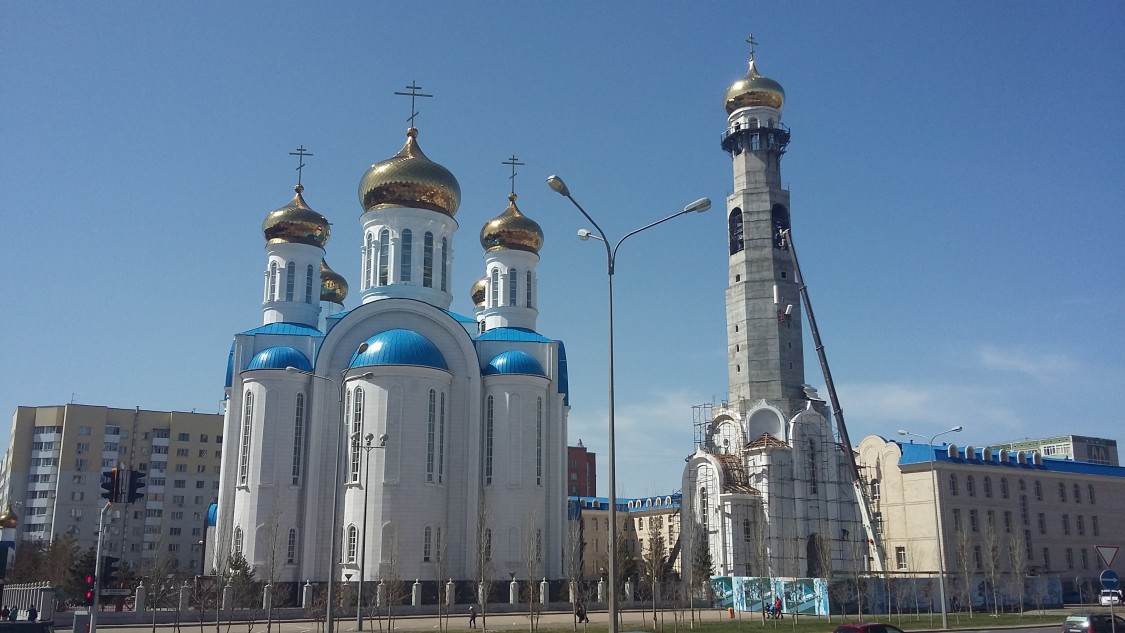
472, 616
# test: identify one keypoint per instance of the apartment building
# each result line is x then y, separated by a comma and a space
1080, 448
581, 471
642, 522
51, 477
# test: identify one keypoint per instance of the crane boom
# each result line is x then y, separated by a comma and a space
837, 411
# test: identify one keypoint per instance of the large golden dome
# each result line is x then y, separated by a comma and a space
479, 292
512, 230
333, 286
296, 223
754, 90
409, 179
9, 519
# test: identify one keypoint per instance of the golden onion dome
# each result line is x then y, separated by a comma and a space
512, 230
333, 286
478, 293
754, 90
8, 518
296, 223
409, 179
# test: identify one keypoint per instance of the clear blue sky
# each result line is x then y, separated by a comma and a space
957, 174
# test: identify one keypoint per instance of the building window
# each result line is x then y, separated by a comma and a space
1038, 491
1077, 494
974, 523
1047, 558
735, 230
427, 544
431, 438
244, 454
237, 541
444, 261
1062, 492
271, 293
384, 251
357, 430
513, 275
878, 520
1094, 526
291, 548
953, 484
970, 486
494, 288
875, 491
369, 261
539, 442
977, 556
988, 487
1023, 509
298, 437
309, 284
1027, 544
353, 541
441, 441
1080, 525
1066, 524
290, 280
1069, 558
428, 260
527, 289
1007, 521
1042, 523
407, 255
1085, 558
813, 484
488, 428
1090, 493
957, 520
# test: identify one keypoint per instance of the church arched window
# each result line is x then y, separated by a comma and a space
431, 436
237, 545
353, 542
427, 544
513, 275
539, 441
494, 288
298, 437
735, 230
529, 302
369, 261
441, 442
489, 411
271, 294
244, 446
290, 280
309, 284
384, 256
779, 219
407, 256
703, 507
357, 431
428, 260
813, 483
444, 261
291, 548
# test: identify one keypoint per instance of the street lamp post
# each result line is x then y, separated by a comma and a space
332, 557
937, 521
367, 446
558, 186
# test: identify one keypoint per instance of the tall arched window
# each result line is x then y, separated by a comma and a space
298, 437
357, 429
952, 484
384, 252
539, 442
237, 546
1003, 487
444, 261
431, 437
406, 260
488, 428
428, 260
494, 288
735, 229
513, 275
876, 490
813, 483
271, 295
427, 544
369, 255
353, 542
244, 446
290, 280
528, 303
779, 216
291, 548
703, 507
971, 486
441, 442
309, 284
988, 487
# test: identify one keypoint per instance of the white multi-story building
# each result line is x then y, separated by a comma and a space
51, 478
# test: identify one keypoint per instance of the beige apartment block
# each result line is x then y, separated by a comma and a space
1040, 516
642, 523
51, 476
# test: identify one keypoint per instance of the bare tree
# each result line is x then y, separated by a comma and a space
533, 564
572, 562
963, 546
1017, 557
274, 559
991, 554
483, 555
393, 584
441, 567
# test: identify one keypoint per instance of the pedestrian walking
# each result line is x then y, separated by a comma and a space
472, 616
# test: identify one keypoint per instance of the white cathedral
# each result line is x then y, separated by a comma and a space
448, 432
769, 487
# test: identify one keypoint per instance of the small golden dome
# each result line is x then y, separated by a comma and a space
333, 286
8, 518
296, 223
409, 179
478, 293
512, 230
754, 90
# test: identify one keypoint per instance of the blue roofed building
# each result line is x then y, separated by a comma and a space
407, 434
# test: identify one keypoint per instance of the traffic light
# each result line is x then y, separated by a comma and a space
91, 583
109, 569
111, 484
136, 483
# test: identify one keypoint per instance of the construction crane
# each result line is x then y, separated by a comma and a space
873, 538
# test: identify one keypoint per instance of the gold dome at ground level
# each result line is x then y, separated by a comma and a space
512, 230
296, 223
754, 90
409, 179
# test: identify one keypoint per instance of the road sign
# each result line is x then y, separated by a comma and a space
1107, 552
1109, 579
114, 591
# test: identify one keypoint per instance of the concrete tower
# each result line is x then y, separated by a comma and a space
765, 359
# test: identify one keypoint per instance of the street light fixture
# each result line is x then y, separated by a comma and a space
937, 520
700, 205
333, 559
367, 446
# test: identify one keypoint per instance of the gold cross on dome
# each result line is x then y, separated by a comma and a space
302, 153
752, 42
414, 93
513, 162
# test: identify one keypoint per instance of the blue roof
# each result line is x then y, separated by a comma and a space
298, 329
460, 318
212, 514
230, 367
913, 453
514, 362
513, 334
280, 357
564, 377
627, 504
399, 347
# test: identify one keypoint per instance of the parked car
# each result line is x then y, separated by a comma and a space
23, 626
869, 627
1092, 623
1109, 596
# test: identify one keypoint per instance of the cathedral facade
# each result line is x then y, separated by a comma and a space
423, 444
768, 491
